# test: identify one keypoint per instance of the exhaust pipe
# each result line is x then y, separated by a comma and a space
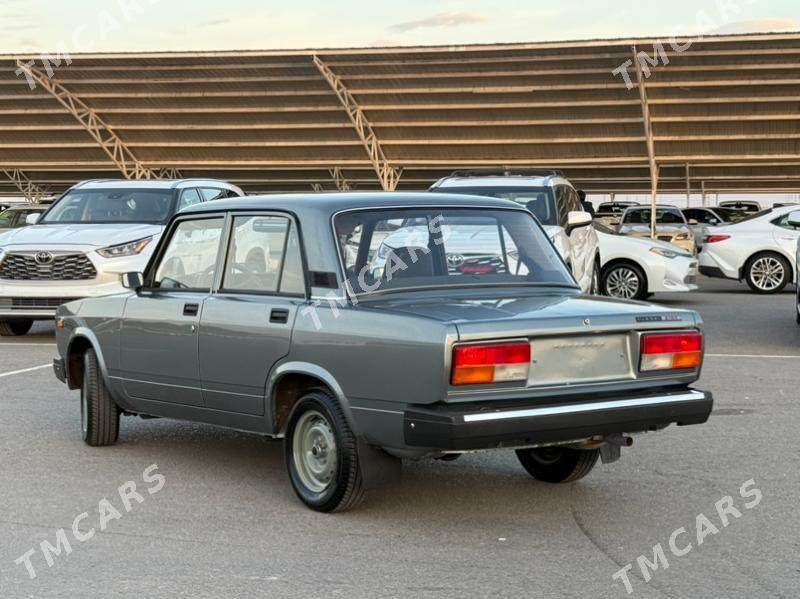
620, 440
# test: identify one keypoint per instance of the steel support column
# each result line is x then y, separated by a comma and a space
388, 175
651, 148
31, 191
110, 143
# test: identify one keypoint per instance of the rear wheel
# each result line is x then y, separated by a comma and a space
321, 454
15, 328
624, 281
99, 413
767, 273
558, 464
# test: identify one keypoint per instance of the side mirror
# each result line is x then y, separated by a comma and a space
713, 222
794, 218
132, 280
32, 218
693, 221
577, 220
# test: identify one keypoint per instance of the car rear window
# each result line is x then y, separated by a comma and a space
403, 249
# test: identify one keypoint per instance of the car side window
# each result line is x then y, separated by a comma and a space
562, 202
190, 258
189, 197
256, 254
783, 223
574, 202
6, 219
210, 194
701, 216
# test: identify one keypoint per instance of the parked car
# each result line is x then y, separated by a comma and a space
794, 221
17, 216
636, 268
703, 220
553, 201
83, 243
746, 206
610, 213
761, 250
671, 225
355, 368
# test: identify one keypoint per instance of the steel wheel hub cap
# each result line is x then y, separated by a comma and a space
767, 273
622, 282
314, 451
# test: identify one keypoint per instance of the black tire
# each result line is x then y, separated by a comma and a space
594, 288
15, 328
765, 284
344, 490
614, 279
558, 464
99, 414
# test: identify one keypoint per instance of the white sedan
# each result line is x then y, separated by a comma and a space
635, 267
761, 250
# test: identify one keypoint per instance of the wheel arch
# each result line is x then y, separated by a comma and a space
290, 381
82, 339
768, 250
629, 262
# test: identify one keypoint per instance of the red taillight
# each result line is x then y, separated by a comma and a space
716, 238
491, 363
671, 351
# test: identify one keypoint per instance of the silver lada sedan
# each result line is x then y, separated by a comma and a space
369, 331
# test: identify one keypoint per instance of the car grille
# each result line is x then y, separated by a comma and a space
33, 303
24, 267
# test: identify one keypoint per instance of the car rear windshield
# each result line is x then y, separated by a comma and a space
107, 206
403, 249
664, 216
540, 201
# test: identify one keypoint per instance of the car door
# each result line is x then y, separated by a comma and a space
159, 336
246, 327
786, 236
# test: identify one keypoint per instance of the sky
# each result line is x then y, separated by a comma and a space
28, 26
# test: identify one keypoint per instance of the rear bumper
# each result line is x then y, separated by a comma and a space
485, 426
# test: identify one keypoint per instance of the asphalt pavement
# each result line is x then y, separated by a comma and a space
224, 521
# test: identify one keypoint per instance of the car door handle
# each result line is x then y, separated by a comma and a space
279, 316
191, 309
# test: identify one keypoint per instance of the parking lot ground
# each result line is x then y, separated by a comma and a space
226, 523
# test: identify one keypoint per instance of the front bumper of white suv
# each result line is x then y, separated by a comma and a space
34, 282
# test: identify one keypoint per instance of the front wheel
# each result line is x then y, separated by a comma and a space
99, 412
321, 454
767, 273
624, 281
558, 464
15, 328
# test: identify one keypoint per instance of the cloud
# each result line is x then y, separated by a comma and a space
445, 19
757, 26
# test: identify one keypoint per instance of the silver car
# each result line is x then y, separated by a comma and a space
357, 367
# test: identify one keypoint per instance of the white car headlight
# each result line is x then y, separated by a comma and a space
125, 249
669, 253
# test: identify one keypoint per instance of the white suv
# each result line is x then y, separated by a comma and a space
553, 201
95, 232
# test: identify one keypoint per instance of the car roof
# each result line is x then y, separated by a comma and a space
648, 206
331, 203
499, 181
17, 207
152, 184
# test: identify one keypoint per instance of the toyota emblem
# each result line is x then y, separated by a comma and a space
455, 260
43, 258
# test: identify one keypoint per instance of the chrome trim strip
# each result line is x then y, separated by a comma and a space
122, 378
585, 407
375, 410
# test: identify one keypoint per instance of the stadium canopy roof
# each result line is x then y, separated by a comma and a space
726, 111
